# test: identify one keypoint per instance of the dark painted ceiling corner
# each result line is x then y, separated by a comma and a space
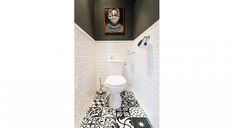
139, 15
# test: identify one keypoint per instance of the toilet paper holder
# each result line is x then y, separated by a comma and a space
144, 42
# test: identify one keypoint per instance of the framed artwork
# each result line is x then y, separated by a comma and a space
114, 21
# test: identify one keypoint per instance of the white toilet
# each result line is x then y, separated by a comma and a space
115, 82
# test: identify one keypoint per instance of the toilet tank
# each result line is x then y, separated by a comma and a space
115, 67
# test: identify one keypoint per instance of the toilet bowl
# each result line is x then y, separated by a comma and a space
115, 84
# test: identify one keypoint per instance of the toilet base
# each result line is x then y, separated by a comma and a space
115, 100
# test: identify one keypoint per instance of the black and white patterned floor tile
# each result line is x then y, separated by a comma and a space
141, 123
98, 122
124, 103
123, 112
102, 95
129, 115
133, 103
101, 100
124, 122
108, 112
128, 99
126, 93
94, 112
109, 122
99, 103
136, 112
89, 122
129, 103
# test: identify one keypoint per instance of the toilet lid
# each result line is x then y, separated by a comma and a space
115, 80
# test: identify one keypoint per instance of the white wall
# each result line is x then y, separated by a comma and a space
145, 85
105, 49
85, 73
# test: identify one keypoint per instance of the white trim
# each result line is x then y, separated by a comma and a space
115, 41
79, 28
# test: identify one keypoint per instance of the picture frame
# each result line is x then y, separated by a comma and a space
114, 21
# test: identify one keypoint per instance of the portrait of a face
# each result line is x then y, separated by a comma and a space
114, 20
114, 16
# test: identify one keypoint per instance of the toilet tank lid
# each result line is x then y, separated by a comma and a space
115, 80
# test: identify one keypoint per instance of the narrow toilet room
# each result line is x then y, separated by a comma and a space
116, 63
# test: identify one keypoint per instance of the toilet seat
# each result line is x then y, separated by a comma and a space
115, 80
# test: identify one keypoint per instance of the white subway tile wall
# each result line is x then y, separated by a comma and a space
104, 51
85, 73
146, 85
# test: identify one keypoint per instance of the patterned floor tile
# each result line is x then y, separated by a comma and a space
123, 112
124, 103
101, 99
125, 93
94, 112
129, 115
141, 123
99, 103
128, 99
136, 112
89, 122
99, 122
108, 112
108, 122
129, 103
124, 122
132, 103
102, 95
